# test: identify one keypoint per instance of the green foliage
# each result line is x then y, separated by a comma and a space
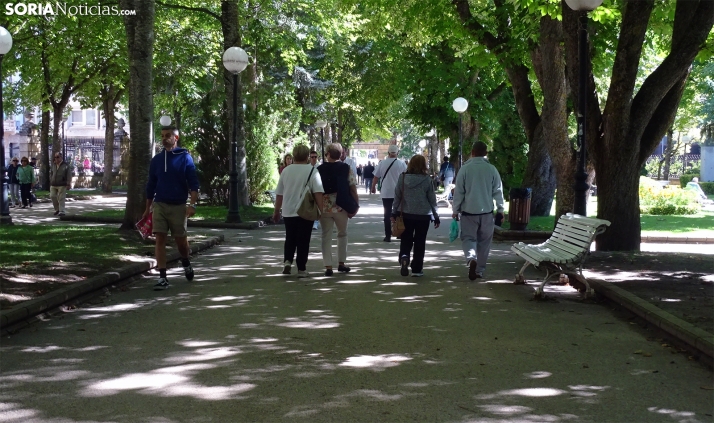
687, 178
212, 148
658, 201
510, 146
260, 154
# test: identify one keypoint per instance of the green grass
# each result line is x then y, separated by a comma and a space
62, 246
701, 224
207, 213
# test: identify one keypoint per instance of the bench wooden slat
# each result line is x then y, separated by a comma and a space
562, 244
583, 240
577, 226
588, 220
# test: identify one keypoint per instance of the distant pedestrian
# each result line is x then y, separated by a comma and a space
446, 172
337, 180
172, 176
415, 201
313, 162
368, 175
359, 175
288, 197
14, 183
287, 161
60, 182
388, 171
26, 176
478, 185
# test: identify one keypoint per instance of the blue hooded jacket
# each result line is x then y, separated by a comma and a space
172, 175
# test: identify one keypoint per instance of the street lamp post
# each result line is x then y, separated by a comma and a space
235, 59
5, 218
460, 105
581, 186
322, 124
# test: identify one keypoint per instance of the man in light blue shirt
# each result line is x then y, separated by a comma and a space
478, 185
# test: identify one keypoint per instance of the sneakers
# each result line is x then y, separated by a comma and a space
60, 213
303, 274
387, 239
188, 271
343, 268
286, 267
417, 274
473, 273
328, 272
404, 261
162, 284
56, 212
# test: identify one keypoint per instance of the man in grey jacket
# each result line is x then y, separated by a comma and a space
478, 185
60, 182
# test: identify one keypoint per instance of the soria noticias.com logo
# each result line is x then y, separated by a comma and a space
57, 8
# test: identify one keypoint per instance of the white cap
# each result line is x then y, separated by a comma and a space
393, 149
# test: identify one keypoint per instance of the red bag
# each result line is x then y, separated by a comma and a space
146, 226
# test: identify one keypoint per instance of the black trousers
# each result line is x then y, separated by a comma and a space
298, 232
414, 234
387, 203
25, 194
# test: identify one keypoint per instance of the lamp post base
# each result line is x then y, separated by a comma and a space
6, 220
233, 217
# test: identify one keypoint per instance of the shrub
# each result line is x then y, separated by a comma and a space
707, 187
658, 201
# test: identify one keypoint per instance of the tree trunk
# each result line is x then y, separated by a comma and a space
539, 175
231, 38
140, 40
548, 62
111, 98
57, 111
45, 146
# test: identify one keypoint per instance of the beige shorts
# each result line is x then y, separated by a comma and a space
170, 216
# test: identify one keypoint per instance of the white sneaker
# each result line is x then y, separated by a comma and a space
286, 267
303, 274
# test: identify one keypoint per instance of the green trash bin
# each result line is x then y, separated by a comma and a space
519, 211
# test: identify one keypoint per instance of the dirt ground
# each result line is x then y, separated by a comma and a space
681, 284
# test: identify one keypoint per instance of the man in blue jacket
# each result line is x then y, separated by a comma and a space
478, 186
172, 175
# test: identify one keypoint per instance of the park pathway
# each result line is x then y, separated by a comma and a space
244, 343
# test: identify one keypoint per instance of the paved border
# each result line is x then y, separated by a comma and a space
55, 298
191, 223
693, 336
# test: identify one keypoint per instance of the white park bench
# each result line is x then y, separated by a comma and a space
444, 196
565, 250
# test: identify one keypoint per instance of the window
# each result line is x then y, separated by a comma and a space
77, 118
90, 117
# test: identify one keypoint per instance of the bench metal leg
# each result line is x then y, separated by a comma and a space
589, 292
520, 279
549, 274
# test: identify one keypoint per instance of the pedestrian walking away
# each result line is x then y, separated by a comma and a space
340, 203
388, 170
13, 182
368, 175
313, 163
60, 183
26, 176
172, 179
478, 186
359, 175
415, 201
446, 172
292, 185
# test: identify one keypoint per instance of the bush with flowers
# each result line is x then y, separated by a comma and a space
665, 201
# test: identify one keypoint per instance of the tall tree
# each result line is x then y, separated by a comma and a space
140, 46
632, 123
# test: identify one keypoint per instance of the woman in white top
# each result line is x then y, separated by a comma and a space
288, 197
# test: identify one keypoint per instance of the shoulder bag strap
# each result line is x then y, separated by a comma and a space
401, 200
309, 177
390, 166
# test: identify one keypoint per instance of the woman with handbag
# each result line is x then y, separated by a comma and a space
415, 203
340, 203
299, 196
